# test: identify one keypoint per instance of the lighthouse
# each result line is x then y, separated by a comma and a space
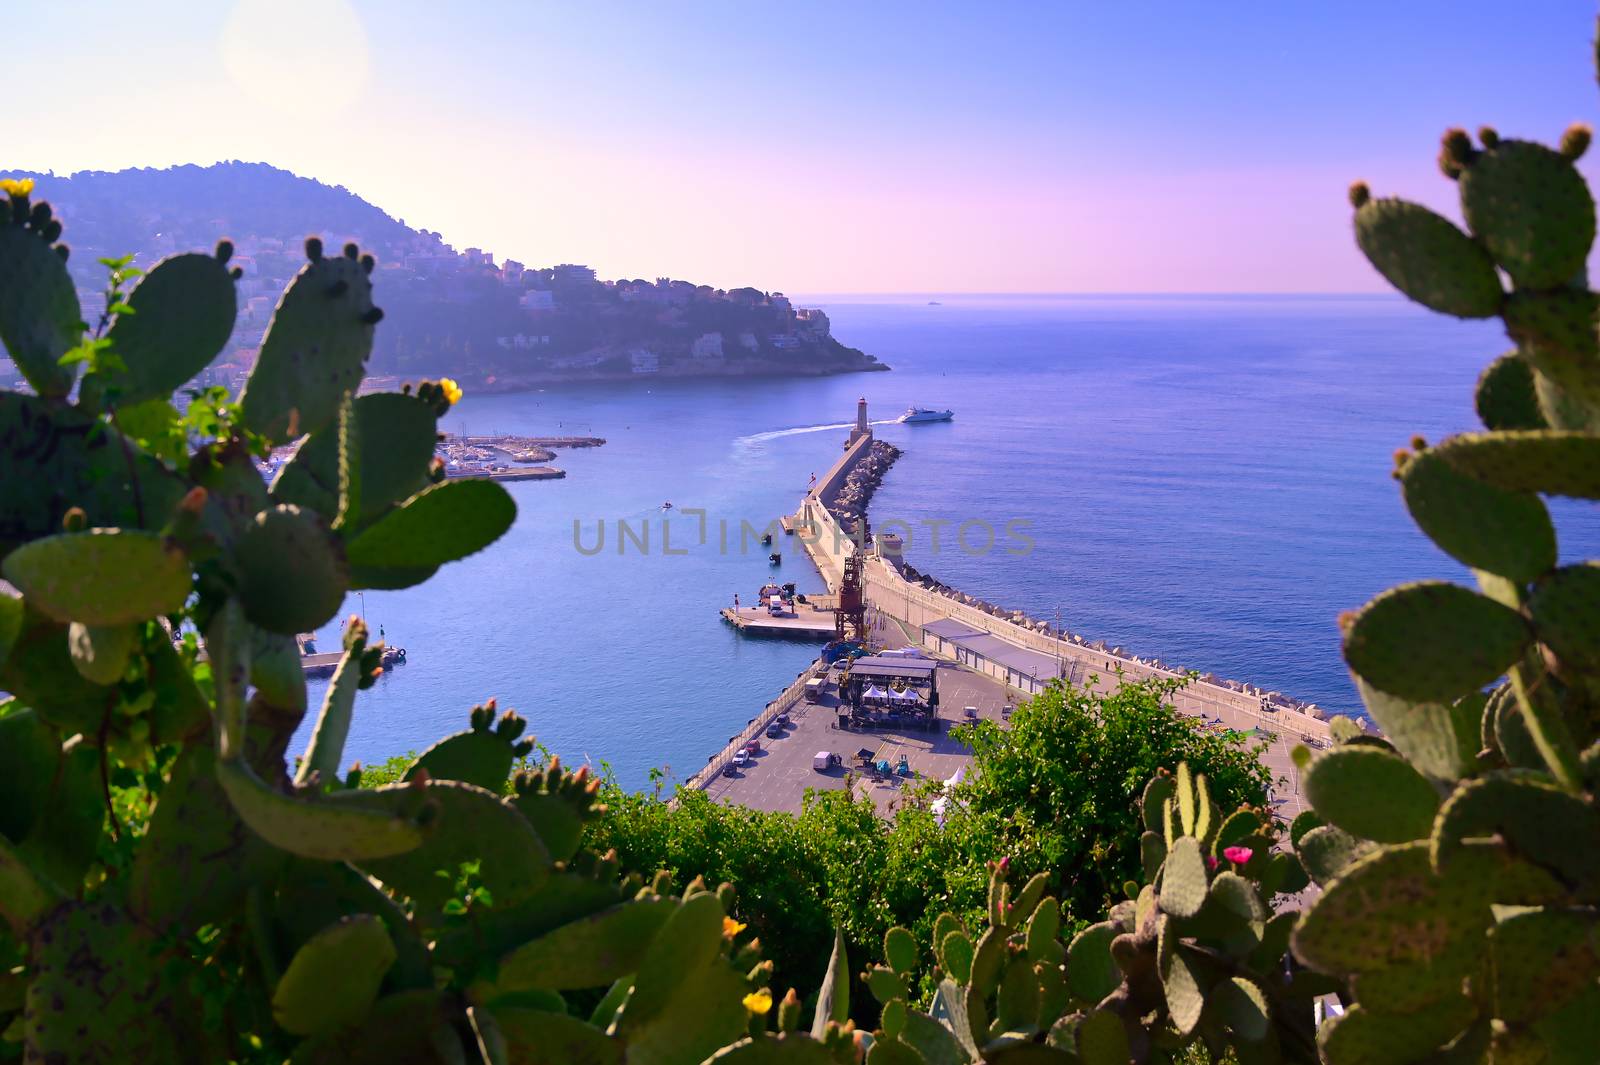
862, 428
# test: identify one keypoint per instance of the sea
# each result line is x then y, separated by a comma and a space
1204, 479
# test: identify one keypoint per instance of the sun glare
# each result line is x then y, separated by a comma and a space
296, 54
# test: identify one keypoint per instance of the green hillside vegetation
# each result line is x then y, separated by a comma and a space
453, 312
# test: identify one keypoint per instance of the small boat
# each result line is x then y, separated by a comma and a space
766, 540
926, 414
774, 558
667, 505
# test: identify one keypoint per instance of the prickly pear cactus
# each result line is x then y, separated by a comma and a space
173, 886
1194, 963
1459, 855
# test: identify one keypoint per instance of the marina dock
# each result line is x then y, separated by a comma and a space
806, 622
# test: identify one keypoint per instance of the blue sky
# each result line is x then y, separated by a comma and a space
825, 147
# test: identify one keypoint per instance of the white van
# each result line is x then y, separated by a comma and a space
775, 605
814, 689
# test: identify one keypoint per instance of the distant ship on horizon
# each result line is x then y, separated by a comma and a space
926, 414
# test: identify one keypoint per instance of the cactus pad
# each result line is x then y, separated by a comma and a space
535, 1037
1551, 462
385, 823
1440, 740
291, 571
101, 576
39, 316
1327, 849
1431, 641
314, 352
395, 437
1372, 794
334, 977
1488, 528
1536, 818
440, 524
1507, 395
481, 758
1566, 615
96, 993
1532, 210
183, 315
1428, 258
101, 654
1359, 1036
1183, 878
1091, 974
591, 951
1540, 961
1555, 331
53, 458
472, 825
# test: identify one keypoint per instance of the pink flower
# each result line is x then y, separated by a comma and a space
1237, 855
1211, 863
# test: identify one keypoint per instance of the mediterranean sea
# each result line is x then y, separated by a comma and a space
1203, 479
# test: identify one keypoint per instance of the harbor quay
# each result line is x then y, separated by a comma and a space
982, 659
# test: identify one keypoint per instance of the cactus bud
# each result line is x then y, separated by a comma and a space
373, 316
352, 779
697, 886
351, 251
1575, 141
662, 884
61, 250
51, 231
725, 895
74, 520
1488, 137
1456, 146
40, 215
224, 250
1419, 443
314, 248
236, 273
368, 263
789, 1012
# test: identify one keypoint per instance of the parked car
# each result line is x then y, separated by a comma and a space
741, 757
730, 770
774, 731
753, 747
971, 712
782, 719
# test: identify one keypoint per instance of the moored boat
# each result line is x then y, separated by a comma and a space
926, 414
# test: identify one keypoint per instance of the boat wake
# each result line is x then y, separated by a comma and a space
761, 438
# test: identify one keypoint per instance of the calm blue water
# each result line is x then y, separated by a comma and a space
1203, 479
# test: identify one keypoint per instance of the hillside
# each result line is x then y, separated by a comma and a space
492, 325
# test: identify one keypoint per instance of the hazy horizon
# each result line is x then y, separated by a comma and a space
895, 150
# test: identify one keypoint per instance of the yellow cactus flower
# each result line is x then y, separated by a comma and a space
731, 928
17, 186
452, 391
759, 1002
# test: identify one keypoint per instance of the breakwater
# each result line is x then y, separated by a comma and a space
916, 600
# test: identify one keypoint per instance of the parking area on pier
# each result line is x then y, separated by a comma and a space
777, 777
